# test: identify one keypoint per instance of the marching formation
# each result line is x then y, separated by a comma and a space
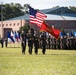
44, 42
33, 41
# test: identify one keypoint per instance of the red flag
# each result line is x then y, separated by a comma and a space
54, 32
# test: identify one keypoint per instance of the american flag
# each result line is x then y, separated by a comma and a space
36, 17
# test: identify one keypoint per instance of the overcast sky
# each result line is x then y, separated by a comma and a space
42, 4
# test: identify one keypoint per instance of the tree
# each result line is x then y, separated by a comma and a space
11, 10
26, 8
26, 27
56, 6
72, 8
18, 6
2, 8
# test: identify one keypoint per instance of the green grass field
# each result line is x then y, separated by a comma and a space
54, 62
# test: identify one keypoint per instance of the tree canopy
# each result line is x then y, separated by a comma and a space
12, 10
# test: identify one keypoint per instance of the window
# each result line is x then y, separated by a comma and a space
3, 25
17, 24
6, 24
10, 24
58, 24
71, 23
14, 24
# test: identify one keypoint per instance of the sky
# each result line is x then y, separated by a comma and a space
43, 4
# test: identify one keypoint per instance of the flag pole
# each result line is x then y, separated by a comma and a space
14, 44
2, 19
29, 18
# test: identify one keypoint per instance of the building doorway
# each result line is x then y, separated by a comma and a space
7, 30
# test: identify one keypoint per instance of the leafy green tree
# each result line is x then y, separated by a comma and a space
25, 28
11, 10
26, 8
2, 8
72, 8
18, 6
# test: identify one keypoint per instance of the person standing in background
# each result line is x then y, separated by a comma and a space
2, 42
6, 42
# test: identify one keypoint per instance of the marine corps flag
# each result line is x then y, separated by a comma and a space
54, 32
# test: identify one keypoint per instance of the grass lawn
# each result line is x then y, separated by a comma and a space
54, 62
